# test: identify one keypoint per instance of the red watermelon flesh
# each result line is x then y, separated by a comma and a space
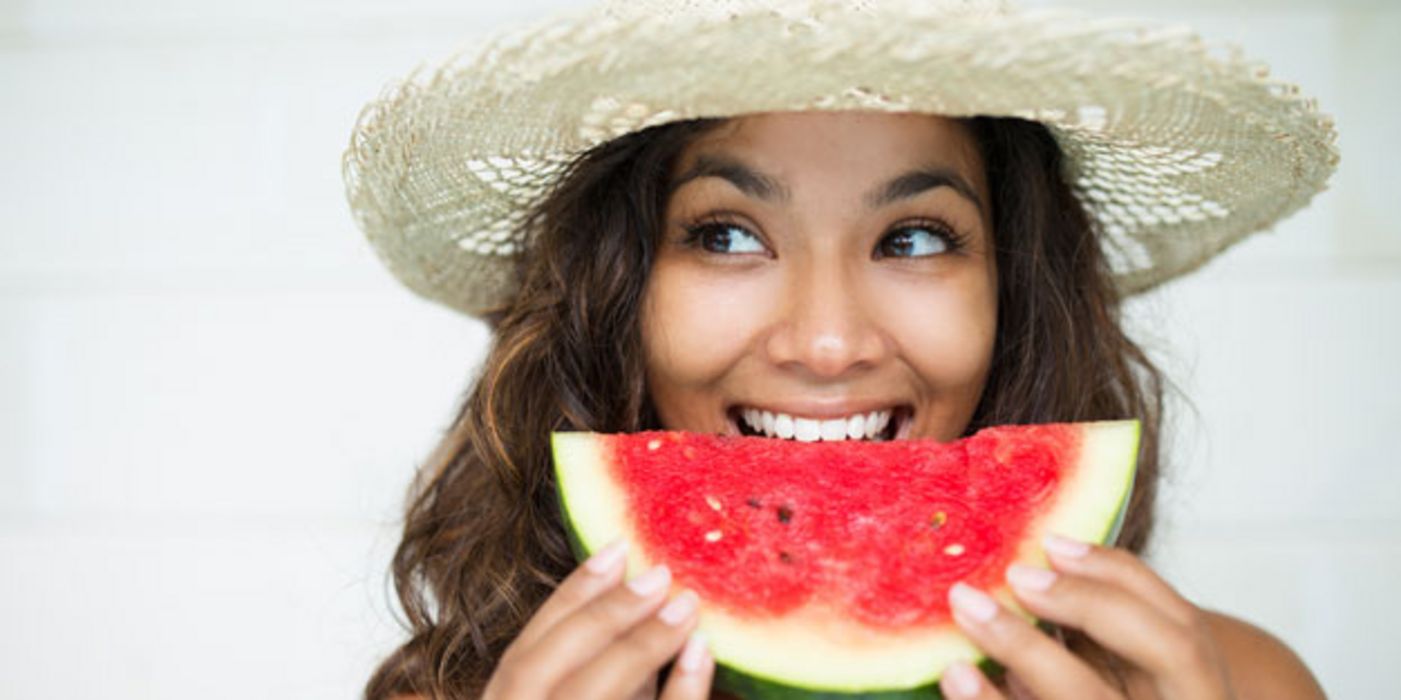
880, 530
824, 568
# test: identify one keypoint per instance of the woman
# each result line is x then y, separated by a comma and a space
815, 260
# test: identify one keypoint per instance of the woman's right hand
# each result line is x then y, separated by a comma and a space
597, 637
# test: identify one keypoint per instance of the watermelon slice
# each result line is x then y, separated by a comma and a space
823, 568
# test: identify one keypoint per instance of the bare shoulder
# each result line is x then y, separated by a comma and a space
1261, 666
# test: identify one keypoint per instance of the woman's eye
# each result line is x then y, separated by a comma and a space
725, 239
915, 242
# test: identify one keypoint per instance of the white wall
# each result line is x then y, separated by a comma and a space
211, 395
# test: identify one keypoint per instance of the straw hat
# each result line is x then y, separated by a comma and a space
1178, 149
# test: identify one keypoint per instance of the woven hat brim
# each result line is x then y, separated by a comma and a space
1177, 149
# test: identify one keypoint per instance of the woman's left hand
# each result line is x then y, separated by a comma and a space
1114, 598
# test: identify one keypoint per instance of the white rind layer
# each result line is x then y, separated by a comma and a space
823, 650
592, 501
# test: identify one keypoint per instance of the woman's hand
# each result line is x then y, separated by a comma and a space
597, 637
1114, 598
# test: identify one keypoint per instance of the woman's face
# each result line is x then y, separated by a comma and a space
823, 276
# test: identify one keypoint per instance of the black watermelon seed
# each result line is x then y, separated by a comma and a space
752, 503
785, 557
785, 514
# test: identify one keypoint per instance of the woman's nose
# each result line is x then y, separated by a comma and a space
826, 328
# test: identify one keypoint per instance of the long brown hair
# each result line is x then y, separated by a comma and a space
483, 544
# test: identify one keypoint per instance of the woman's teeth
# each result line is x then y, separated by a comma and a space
862, 426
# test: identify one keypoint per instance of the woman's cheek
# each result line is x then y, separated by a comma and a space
697, 324
946, 333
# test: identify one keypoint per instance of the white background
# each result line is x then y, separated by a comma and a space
212, 396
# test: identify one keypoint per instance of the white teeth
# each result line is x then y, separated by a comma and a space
781, 425
833, 430
856, 427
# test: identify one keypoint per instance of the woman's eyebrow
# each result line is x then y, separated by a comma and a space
746, 179
921, 180
759, 185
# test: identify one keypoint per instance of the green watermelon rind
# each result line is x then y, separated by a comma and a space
753, 687
749, 685
1098, 524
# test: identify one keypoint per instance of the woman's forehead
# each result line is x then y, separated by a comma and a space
796, 157
770, 155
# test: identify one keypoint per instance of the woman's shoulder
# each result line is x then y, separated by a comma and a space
1261, 666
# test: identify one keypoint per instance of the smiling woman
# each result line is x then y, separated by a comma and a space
794, 267
877, 272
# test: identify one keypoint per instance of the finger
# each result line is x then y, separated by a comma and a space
1121, 567
624, 665
963, 681
1123, 622
1049, 669
599, 573
580, 636
692, 674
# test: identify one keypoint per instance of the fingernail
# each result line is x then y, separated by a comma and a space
694, 654
960, 680
1064, 546
972, 602
651, 581
1030, 578
607, 559
679, 609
